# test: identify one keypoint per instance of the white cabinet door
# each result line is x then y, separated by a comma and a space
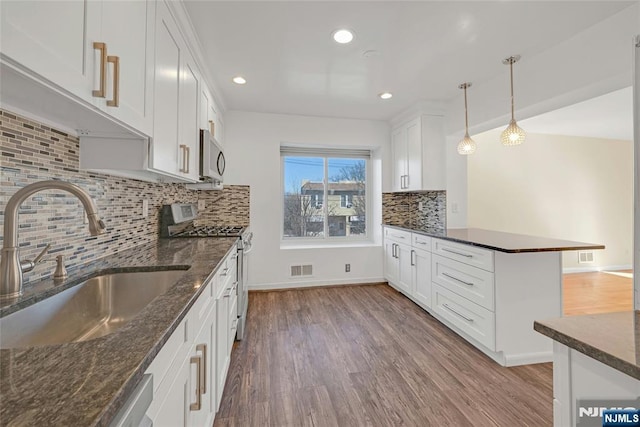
413, 180
405, 273
202, 388
189, 120
222, 352
174, 411
399, 145
390, 262
127, 31
212, 371
54, 39
168, 53
422, 277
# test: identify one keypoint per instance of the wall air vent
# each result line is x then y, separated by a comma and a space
585, 257
301, 270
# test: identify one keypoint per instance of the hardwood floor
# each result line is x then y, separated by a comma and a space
368, 356
597, 292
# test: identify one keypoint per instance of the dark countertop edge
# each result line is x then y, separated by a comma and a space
123, 394
495, 248
588, 350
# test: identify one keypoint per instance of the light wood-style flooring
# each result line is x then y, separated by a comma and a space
597, 292
368, 356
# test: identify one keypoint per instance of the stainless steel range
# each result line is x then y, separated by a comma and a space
176, 220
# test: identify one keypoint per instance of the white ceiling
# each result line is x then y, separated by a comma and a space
609, 117
425, 49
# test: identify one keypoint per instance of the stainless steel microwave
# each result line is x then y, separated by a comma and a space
212, 162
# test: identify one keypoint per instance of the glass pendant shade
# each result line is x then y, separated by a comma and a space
513, 134
467, 145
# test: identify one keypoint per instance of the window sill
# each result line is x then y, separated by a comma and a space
367, 243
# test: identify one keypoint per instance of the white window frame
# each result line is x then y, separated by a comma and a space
327, 153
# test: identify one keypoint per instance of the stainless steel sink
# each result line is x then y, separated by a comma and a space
92, 309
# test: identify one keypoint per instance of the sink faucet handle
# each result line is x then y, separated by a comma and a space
41, 254
27, 265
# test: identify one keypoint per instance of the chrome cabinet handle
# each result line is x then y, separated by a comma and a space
227, 294
115, 101
393, 250
224, 272
468, 319
421, 243
457, 253
203, 349
102, 47
198, 403
457, 280
412, 254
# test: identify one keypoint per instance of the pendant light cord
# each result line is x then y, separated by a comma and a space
511, 71
466, 116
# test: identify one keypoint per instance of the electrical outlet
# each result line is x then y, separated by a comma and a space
454, 207
145, 208
420, 206
347, 268
85, 218
201, 205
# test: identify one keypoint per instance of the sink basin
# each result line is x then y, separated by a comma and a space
92, 309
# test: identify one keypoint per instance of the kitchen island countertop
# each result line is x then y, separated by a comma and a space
610, 338
501, 241
86, 383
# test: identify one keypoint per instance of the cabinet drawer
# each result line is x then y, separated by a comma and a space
421, 242
470, 282
200, 310
470, 318
397, 235
472, 255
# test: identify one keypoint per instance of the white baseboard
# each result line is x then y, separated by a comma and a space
596, 268
528, 358
314, 283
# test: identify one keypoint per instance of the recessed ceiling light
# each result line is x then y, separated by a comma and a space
239, 80
343, 36
385, 95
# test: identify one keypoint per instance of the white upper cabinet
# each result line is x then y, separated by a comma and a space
94, 50
165, 152
189, 119
418, 154
127, 27
210, 115
53, 40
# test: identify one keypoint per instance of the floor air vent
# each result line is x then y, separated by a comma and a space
301, 270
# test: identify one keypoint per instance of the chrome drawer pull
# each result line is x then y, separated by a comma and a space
455, 312
412, 261
421, 243
457, 253
457, 280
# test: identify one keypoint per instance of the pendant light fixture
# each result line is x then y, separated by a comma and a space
513, 134
467, 145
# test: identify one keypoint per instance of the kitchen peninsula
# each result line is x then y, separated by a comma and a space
487, 286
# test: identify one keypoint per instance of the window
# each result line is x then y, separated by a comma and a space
325, 193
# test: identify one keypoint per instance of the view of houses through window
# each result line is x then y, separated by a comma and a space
309, 182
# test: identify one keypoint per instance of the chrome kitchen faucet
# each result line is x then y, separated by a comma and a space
11, 268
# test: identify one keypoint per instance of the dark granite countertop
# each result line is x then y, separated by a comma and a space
611, 338
501, 241
86, 383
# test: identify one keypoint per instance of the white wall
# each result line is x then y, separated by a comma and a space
592, 63
252, 149
562, 187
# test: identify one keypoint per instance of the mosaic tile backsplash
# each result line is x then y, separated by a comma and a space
31, 152
401, 209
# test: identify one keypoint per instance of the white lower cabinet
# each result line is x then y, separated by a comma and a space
408, 265
190, 370
490, 298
